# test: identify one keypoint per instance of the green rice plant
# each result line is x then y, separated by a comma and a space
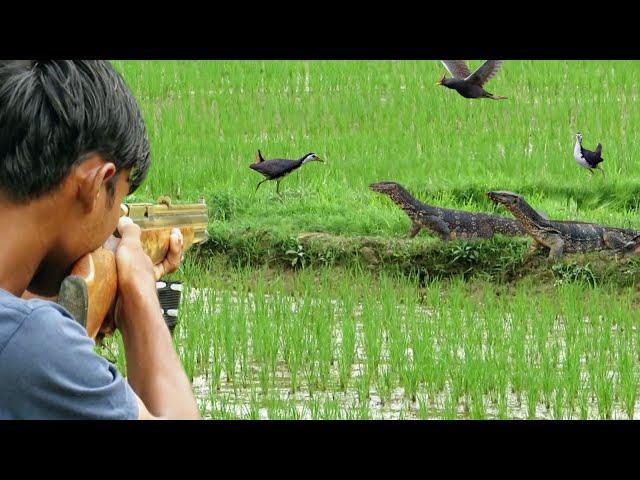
324, 333
410, 379
331, 409
423, 407
347, 346
452, 398
225, 338
583, 404
364, 387
371, 319
385, 386
558, 403
570, 375
254, 407
533, 391
477, 409
604, 386
362, 412
315, 410
292, 344
628, 383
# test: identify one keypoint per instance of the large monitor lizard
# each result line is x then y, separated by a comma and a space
563, 236
448, 224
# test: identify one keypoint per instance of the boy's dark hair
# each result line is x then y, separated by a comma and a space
54, 113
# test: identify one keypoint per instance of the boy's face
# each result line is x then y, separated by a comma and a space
103, 219
81, 231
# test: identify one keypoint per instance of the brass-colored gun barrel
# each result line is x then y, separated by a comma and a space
153, 216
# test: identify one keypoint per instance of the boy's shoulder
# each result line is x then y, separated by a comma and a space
50, 369
42, 315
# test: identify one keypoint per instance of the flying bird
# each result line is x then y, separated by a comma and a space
279, 168
586, 158
467, 84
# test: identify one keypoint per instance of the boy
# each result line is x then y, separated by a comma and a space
73, 144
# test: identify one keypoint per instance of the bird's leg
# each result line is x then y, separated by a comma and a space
602, 171
260, 183
278, 187
493, 97
590, 173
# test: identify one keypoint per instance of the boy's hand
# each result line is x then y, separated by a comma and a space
175, 254
136, 273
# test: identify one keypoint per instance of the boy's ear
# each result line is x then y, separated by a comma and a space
92, 174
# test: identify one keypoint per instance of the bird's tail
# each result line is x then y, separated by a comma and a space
599, 150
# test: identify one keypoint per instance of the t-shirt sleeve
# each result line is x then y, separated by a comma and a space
58, 375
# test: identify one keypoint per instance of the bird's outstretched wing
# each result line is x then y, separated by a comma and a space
486, 72
457, 68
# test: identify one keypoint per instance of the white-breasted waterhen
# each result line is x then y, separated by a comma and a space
467, 84
586, 158
279, 168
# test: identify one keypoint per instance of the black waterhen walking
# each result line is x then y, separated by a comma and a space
279, 168
586, 158
467, 84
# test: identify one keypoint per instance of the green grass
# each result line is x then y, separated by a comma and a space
385, 120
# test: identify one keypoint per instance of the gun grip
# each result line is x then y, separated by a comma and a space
90, 290
74, 296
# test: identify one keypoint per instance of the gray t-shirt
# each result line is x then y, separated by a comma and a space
49, 369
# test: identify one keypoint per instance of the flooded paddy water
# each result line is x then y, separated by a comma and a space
393, 354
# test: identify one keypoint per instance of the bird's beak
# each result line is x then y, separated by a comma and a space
439, 82
318, 159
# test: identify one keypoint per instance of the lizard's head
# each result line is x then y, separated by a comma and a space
386, 187
508, 199
519, 208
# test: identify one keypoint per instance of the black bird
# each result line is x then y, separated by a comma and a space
279, 168
467, 84
587, 158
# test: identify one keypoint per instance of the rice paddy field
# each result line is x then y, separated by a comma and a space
315, 304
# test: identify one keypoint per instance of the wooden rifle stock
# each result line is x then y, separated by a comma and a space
90, 291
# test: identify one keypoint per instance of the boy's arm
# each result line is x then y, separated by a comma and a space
154, 370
